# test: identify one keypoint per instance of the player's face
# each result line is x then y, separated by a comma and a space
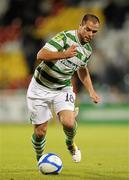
87, 31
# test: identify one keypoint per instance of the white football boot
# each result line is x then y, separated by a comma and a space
75, 152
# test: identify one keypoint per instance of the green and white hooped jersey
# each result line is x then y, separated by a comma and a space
57, 74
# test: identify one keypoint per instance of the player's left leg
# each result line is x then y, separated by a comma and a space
64, 108
69, 123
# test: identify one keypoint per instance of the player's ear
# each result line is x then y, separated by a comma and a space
80, 25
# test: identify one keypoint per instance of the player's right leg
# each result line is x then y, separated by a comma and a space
40, 113
39, 139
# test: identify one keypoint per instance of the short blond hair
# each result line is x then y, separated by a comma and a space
90, 17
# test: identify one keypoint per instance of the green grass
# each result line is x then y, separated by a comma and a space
105, 153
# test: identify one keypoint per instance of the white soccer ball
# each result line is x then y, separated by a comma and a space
50, 163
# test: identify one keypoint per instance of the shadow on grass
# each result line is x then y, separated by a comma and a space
124, 175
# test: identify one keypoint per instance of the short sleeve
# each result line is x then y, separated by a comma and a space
57, 43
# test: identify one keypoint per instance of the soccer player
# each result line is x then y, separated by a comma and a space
60, 57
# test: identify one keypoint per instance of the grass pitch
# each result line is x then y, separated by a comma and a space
105, 153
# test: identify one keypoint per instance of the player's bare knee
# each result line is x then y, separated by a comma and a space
68, 123
67, 119
40, 132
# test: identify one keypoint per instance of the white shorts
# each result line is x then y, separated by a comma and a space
41, 99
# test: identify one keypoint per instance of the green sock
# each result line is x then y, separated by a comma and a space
38, 145
70, 133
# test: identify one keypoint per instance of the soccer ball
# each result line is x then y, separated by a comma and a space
50, 163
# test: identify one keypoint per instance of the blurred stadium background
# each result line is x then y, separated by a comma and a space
26, 26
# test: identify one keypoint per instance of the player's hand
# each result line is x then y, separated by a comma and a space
95, 98
71, 51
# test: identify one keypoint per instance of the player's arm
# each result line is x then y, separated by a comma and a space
47, 55
84, 76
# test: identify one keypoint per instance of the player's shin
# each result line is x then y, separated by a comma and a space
72, 147
38, 145
70, 134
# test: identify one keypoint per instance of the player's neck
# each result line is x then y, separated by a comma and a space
80, 39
